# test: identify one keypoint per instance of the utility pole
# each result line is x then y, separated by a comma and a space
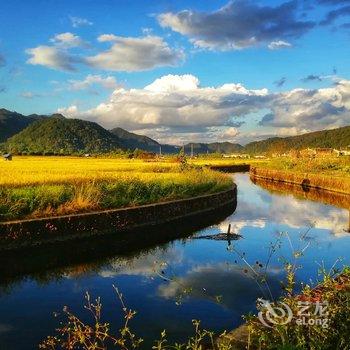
191, 150
160, 150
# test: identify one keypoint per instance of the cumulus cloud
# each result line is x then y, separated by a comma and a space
176, 109
311, 109
279, 44
68, 40
52, 57
239, 24
79, 22
108, 82
174, 102
135, 54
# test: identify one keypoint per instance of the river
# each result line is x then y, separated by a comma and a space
171, 283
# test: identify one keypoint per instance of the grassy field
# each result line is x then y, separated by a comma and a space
331, 166
331, 173
43, 186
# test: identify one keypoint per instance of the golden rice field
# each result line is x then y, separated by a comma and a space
44, 186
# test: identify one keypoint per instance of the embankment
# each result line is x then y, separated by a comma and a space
24, 233
305, 180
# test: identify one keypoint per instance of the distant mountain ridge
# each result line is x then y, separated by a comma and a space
215, 147
333, 138
56, 134
12, 122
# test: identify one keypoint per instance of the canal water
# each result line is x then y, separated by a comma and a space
172, 283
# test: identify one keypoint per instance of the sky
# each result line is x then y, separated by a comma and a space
180, 71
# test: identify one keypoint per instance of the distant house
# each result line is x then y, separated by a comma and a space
7, 156
343, 152
323, 151
239, 155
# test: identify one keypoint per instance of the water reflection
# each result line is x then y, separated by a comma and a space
225, 283
291, 208
153, 273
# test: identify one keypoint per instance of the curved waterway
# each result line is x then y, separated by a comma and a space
173, 282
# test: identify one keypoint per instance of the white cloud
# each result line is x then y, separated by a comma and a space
176, 102
311, 109
79, 22
239, 24
52, 57
125, 54
67, 40
279, 44
135, 54
172, 83
176, 109
108, 82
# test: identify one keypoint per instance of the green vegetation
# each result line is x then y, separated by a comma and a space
336, 138
11, 123
332, 166
57, 135
332, 292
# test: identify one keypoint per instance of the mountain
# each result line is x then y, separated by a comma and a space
335, 138
133, 141
11, 123
216, 147
58, 135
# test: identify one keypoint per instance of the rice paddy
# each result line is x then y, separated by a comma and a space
45, 186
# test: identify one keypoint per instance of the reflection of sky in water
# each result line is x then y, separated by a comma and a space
206, 266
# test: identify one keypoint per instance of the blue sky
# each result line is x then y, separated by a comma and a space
93, 60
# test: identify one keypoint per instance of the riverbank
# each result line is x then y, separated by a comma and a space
324, 181
22, 233
325, 325
337, 199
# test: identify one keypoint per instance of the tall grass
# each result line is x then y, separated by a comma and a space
37, 187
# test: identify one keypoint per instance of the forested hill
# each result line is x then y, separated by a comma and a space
335, 138
57, 135
11, 123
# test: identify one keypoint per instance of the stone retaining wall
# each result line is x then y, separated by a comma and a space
37, 231
305, 180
